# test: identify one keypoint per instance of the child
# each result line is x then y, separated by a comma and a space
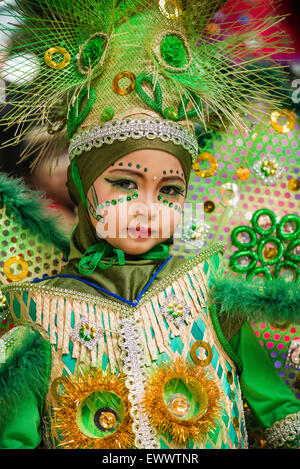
126, 348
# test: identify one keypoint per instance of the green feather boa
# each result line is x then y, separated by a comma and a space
27, 367
28, 208
271, 301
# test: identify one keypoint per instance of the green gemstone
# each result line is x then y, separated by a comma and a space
175, 315
134, 196
159, 197
107, 204
165, 202
129, 198
170, 311
114, 202
170, 113
107, 114
171, 204
194, 227
121, 200
101, 205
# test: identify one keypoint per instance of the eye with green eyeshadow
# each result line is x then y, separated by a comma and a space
172, 190
123, 183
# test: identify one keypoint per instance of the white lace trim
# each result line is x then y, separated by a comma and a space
121, 130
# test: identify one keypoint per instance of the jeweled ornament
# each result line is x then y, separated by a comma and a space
87, 333
179, 405
92, 411
195, 233
106, 419
268, 170
176, 310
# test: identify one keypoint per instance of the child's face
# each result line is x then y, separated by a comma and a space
137, 202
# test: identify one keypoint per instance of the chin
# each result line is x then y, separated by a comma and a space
136, 247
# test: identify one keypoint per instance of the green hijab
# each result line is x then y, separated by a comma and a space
128, 280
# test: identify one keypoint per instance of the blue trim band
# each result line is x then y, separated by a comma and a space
131, 303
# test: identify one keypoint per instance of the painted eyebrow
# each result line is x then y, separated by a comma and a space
172, 178
128, 171
141, 175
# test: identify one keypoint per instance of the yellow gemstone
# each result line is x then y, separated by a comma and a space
107, 420
180, 307
175, 303
270, 253
170, 305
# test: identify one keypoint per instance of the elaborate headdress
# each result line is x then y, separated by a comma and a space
104, 71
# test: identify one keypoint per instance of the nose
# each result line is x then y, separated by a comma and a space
145, 207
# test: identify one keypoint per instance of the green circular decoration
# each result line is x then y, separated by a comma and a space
173, 51
288, 236
261, 244
288, 264
289, 251
257, 215
243, 269
91, 52
243, 229
260, 270
91, 408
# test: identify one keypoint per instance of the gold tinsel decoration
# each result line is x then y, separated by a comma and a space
204, 390
76, 390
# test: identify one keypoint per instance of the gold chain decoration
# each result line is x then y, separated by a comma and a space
201, 344
282, 128
118, 77
62, 63
16, 260
205, 156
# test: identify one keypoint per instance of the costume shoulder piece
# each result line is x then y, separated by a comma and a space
31, 244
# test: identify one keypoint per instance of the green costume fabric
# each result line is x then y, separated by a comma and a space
266, 393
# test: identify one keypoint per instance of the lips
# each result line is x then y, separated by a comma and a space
140, 232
